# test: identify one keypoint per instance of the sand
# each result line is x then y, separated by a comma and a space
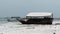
18, 28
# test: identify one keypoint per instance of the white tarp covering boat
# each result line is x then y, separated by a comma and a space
40, 14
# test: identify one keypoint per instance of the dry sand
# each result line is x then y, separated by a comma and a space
18, 28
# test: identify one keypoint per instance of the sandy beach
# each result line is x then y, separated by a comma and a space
18, 28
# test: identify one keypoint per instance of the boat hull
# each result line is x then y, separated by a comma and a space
37, 21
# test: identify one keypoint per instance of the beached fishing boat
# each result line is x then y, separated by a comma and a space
37, 18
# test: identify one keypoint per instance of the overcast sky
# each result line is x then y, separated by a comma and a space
22, 7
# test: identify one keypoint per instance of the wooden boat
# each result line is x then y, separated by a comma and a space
37, 18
